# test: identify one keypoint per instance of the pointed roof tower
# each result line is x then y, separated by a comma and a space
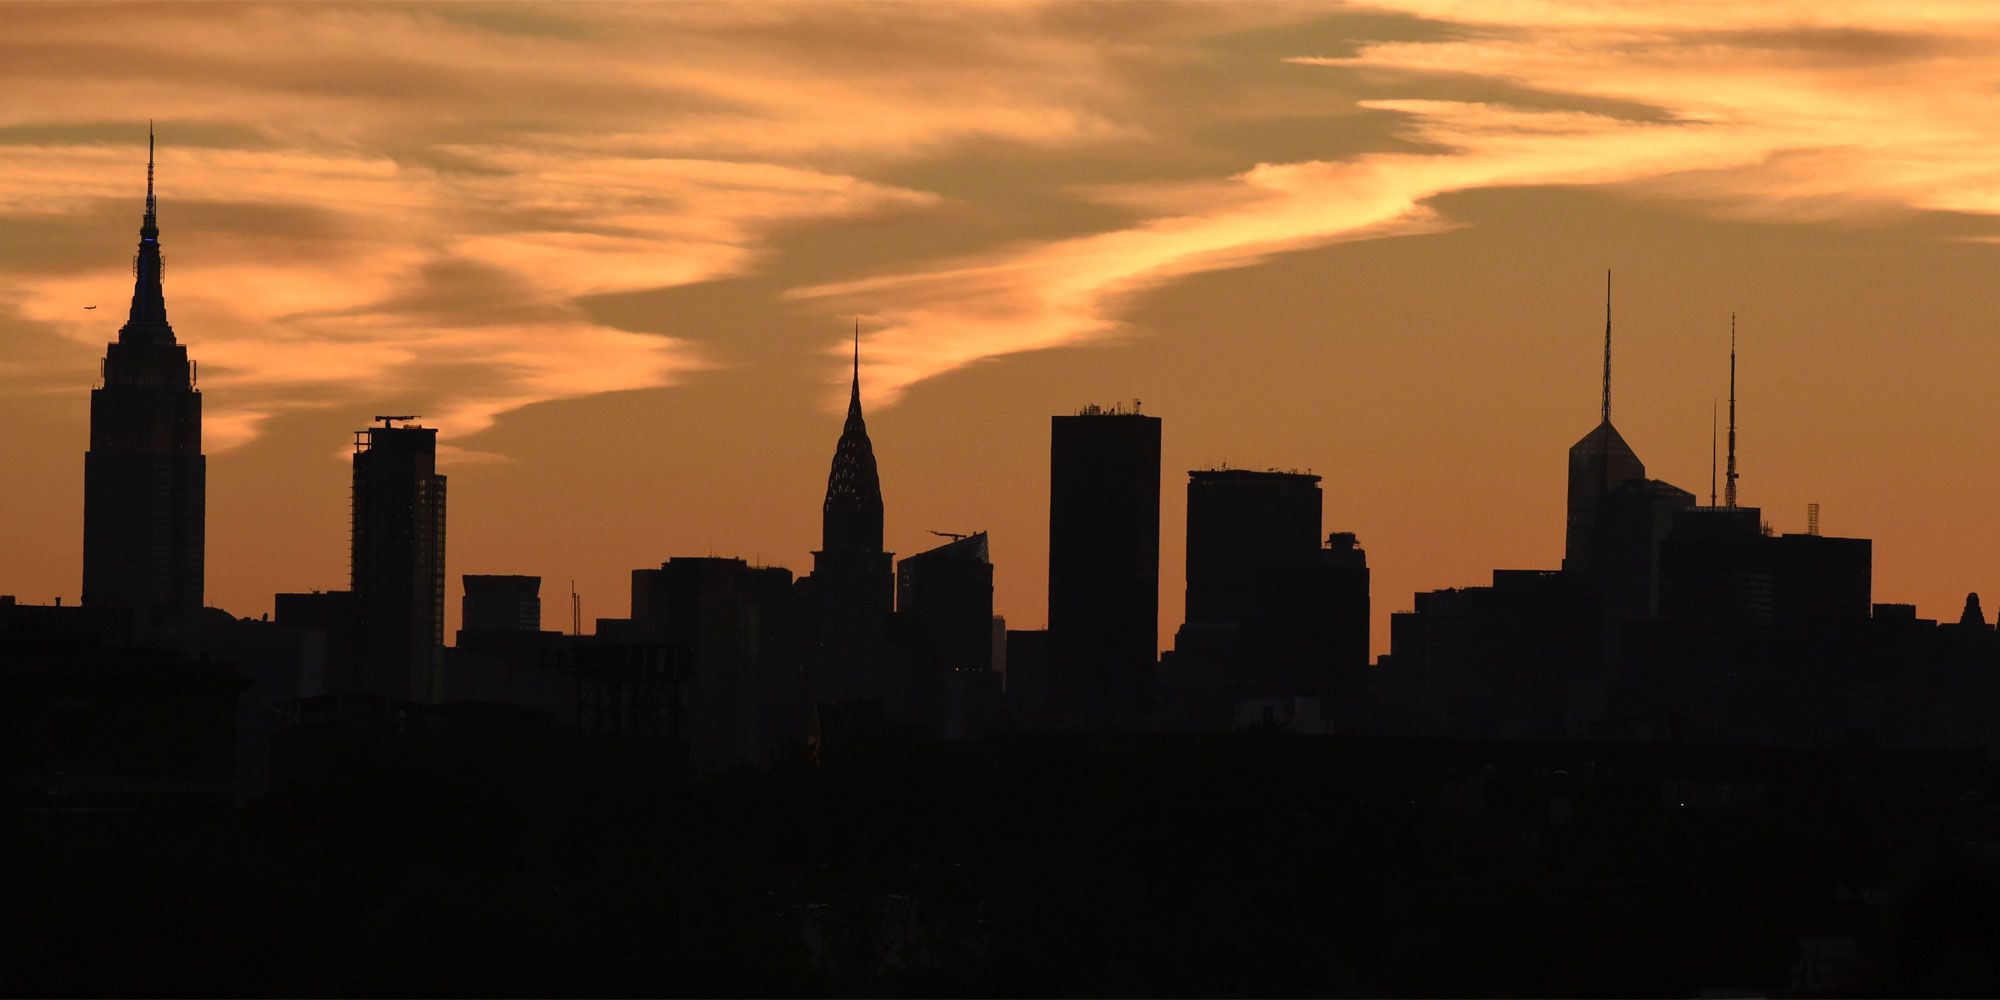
146, 322
852, 515
1599, 462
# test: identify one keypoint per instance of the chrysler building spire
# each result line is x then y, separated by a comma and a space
853, 511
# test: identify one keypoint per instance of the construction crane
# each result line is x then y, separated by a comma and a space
405, 417
953, 535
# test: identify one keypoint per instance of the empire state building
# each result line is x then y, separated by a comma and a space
144, 475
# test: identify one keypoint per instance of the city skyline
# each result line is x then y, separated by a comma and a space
1365, 353
1054, 497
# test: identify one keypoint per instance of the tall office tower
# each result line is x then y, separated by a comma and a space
946, 594
1715, 569
730, 626
1342, 578
327, 617
501, 604
143, 477
398, 562
1598, 464
944, 614
1104, 565
1819, 580
852, 586
1270, 612
1242, 525
1631, 523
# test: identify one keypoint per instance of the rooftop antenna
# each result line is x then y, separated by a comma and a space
151, 206
1604, 440
1729, 487
575, 611
1711, 453
1607, 345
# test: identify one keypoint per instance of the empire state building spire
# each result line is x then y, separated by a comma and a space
852, 520
144, 477
146, 323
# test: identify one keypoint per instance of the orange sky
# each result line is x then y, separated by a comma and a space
612, 252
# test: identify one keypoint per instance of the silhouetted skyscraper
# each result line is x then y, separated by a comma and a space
1715, 569
1270, 613
944, 610
1818, 580
1104, 564
1599, 463
398, 562
1342, 575
143, 477
501, 604
852, 586
730, 626
946, 593
1631, 523
328, 618
1242, 524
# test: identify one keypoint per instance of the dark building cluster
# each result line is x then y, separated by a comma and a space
1669, 623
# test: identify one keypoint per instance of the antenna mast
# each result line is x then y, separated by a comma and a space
1711, 453
1607, 346
1729, 488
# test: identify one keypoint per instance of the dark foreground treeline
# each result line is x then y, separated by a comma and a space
1255, 863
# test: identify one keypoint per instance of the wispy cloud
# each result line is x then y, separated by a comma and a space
416, 202
409, 201
1793, 111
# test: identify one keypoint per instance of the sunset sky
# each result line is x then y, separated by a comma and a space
614, 254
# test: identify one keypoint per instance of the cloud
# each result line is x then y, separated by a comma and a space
365, 201
415, 202
1790, 111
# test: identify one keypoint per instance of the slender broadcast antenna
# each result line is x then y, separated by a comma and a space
1711, 453
1607, 347
1729, 487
